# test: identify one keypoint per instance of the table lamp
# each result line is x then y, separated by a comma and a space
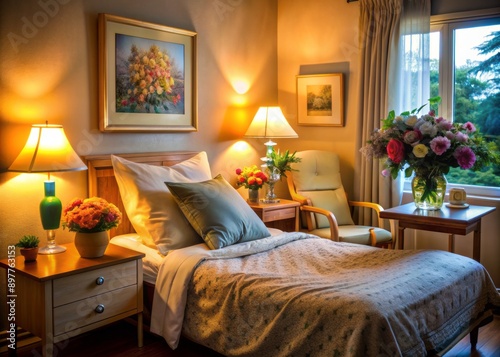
268, 123
48, 150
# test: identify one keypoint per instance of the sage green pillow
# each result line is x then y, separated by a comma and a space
217, 212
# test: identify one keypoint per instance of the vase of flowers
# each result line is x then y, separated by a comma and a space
91, 218
428, 146
277, 165
252, 178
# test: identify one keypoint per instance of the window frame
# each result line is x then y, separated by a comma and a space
446, 24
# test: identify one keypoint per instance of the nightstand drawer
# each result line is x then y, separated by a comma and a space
82, 313
91, 283
279, 214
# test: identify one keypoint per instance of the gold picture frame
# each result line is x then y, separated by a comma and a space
147, 77
320, 99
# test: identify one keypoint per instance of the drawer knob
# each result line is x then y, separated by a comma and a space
99, 309
99, 280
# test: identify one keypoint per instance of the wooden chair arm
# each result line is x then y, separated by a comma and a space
293, 193
378, 208
371, 205
334, 229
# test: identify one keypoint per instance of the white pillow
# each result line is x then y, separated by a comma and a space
152, 210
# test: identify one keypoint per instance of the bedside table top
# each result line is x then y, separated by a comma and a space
52, 266
282, 204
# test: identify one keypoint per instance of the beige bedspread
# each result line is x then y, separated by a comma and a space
315, 297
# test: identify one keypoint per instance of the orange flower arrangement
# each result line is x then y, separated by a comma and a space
251, 177
91, 215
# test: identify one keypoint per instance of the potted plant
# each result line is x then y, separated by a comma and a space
29, 247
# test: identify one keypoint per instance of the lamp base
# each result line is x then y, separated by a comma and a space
51, 249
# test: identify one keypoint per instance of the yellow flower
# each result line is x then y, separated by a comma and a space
420, 150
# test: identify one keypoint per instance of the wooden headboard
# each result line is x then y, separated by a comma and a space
102, 182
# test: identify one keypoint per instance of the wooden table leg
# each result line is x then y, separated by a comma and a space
140, 334
451, 243
476, 244
401, 238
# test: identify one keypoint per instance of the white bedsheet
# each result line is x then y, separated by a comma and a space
150, 263
175, 273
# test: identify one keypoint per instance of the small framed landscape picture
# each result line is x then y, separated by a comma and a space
320, 99
147, 77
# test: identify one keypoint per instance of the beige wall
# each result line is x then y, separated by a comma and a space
321, 37
51, 74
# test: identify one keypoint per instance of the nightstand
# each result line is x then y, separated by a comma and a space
283, 215
63, 295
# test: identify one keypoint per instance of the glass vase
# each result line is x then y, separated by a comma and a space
273, 176
253, 195
428, 191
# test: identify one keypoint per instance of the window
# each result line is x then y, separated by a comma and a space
465, 72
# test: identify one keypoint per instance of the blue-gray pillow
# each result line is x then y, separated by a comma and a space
217, 212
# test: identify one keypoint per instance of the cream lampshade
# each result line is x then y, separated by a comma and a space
48, 150
269, 122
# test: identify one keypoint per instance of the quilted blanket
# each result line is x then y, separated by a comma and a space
298, 295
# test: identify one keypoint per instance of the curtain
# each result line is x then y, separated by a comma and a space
390, 73
410, 73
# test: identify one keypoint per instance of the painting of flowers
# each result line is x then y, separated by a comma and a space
149, 76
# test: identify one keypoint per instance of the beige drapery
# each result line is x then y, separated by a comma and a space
382, 79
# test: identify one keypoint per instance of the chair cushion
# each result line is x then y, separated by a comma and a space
334, 201
355, 234
318, 170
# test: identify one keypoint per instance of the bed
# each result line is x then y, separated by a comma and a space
278, 293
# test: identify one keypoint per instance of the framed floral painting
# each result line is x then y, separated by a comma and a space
147, 77
320, 99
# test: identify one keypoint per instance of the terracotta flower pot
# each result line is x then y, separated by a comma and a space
91, 245
29, 254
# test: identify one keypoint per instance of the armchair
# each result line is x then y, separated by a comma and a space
325, 209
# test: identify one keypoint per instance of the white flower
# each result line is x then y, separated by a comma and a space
428, 128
